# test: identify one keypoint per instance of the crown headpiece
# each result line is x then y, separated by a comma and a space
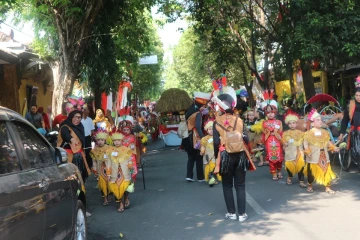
291, 116
77, 102
116, 135
313, 114
269, 102
101, 134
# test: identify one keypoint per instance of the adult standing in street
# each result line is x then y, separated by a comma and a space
35, 118
88, 131
45, 118
61, 117
232, 156
194, 117
352, 116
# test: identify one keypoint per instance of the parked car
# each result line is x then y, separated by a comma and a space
42, 196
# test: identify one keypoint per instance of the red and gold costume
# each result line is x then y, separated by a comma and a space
272, 134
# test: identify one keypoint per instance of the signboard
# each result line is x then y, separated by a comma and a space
148, 60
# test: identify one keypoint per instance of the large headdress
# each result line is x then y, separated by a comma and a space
117, 135
224, 96
101, 134
77, 102
313, 114
291, 116
269, 103
125, 124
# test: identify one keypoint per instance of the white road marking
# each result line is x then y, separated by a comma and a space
258, 209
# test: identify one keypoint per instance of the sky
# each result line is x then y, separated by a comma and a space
169, 33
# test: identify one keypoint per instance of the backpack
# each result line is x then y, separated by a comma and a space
233, 140
183, 131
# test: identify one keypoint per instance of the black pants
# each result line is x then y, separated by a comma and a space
355, 146
300, 174
193, 157
235, 177
87, 151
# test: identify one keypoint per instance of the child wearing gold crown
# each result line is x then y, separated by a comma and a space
272, 134
292, 141
101, 163
316, 146
207, 151
120, 169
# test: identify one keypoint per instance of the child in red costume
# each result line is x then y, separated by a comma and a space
272, 135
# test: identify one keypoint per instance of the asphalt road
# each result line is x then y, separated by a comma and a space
172, 209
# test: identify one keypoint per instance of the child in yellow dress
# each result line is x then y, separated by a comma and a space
292, 142
100, 163
119, 172
316, 146
207, 151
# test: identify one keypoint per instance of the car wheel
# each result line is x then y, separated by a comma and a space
80, 227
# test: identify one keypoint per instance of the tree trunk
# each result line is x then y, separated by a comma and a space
307, 80
97, 96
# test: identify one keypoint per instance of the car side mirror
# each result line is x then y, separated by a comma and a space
61, 155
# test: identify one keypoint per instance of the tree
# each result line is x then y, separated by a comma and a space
189, 67
116, 44
63, 30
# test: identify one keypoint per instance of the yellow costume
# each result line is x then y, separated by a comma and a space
101, 167
207, 150
294, 160
316, 146
119, 170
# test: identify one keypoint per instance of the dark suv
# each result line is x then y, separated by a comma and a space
41, 195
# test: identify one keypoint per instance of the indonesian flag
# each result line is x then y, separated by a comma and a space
106, 101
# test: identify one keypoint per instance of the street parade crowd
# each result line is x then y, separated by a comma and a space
224, 141
222, 137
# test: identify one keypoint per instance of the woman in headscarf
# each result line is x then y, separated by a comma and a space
72, 139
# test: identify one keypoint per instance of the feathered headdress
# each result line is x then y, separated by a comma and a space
77, 102
125, 124
291, 116
116, 135
269, 102
226, 99
313, 114
219, 83
101, 134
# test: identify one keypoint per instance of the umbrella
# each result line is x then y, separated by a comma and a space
173, 100
322, 97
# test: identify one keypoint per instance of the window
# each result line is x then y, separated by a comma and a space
9, 161
37, 151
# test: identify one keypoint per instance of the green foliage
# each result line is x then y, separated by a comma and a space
189, 69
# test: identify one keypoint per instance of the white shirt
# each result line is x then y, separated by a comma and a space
88, 126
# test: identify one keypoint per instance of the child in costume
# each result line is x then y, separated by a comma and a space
130, 142
316, 146
207, 151
120, 167
292, 142
253, 131
101, 163
272, 134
